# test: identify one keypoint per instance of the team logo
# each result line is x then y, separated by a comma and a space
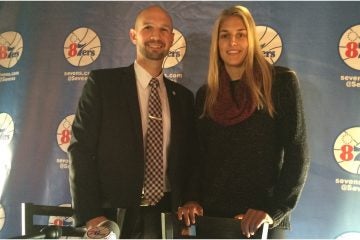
347, 150
61, 220
6, 128
2, 217
82, 47
270, 43
11, 47
176, 52
349, 47
64, 132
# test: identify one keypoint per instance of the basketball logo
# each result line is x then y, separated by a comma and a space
11, 47
347, 150
176, 52
270, 43
64, 132
82, 47
349, 235
6, 128
349, 47
2, 217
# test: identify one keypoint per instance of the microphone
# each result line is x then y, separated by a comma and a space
104, 230
48, 232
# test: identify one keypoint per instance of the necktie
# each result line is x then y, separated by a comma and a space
153, 183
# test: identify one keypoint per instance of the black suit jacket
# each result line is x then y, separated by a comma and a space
106, 151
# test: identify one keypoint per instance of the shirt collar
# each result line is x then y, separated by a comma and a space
143, 77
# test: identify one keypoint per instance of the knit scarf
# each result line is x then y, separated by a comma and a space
233, 105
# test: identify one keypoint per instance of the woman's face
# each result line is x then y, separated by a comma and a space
233, 41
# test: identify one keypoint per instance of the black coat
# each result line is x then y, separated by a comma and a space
107, 151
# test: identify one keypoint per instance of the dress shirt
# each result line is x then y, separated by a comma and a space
142, 82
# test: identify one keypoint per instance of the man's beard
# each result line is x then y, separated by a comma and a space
153, 55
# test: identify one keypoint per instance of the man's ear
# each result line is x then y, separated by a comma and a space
173, 36
132, 35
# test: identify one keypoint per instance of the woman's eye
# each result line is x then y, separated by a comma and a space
224, 36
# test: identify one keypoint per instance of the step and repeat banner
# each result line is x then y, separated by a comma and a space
47, 50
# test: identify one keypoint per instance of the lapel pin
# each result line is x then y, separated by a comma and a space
174, 93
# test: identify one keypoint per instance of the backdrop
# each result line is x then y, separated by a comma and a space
48, 48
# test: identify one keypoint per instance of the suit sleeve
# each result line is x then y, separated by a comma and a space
83, 175
193, 189
295, 164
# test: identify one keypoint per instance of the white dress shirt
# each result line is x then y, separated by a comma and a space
142, 82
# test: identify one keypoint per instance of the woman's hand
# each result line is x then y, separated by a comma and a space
189, 211
252, 220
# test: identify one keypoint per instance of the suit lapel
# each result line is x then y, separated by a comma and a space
130, 90
174, 118
171, 93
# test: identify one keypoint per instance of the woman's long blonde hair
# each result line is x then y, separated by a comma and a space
257, 72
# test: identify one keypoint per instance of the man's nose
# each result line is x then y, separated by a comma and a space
155, 34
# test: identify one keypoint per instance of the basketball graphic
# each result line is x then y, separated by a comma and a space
82, 47
347, 150
2, 217
176, 52
349, 47
64, 132
270, 42
11, 47
6, 128
349, 236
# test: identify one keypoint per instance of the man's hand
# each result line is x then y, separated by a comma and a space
94, 222
189, 211
252, 221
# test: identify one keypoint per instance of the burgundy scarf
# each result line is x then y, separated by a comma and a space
232, 107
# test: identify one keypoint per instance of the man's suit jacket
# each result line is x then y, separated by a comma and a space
106, 151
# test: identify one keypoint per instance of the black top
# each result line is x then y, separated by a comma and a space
259, 163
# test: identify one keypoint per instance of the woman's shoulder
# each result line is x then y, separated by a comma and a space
200, 93
284, 76
281, 71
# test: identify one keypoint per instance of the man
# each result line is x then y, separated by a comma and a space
108, 151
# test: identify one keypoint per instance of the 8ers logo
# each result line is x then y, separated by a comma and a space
270, 43
64, 132
82, 47
2, 217
347, 150
176, 52
349, 47
6, 129
11, 47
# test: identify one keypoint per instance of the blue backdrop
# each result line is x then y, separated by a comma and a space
48, 48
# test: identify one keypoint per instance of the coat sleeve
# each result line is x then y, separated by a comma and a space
296, 161
83, 174
193, 189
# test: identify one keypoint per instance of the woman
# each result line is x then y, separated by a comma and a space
251, 132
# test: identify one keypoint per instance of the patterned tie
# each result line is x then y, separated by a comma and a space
153, 183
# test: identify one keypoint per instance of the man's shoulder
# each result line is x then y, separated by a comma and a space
116, 70
178, 87
111, 75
